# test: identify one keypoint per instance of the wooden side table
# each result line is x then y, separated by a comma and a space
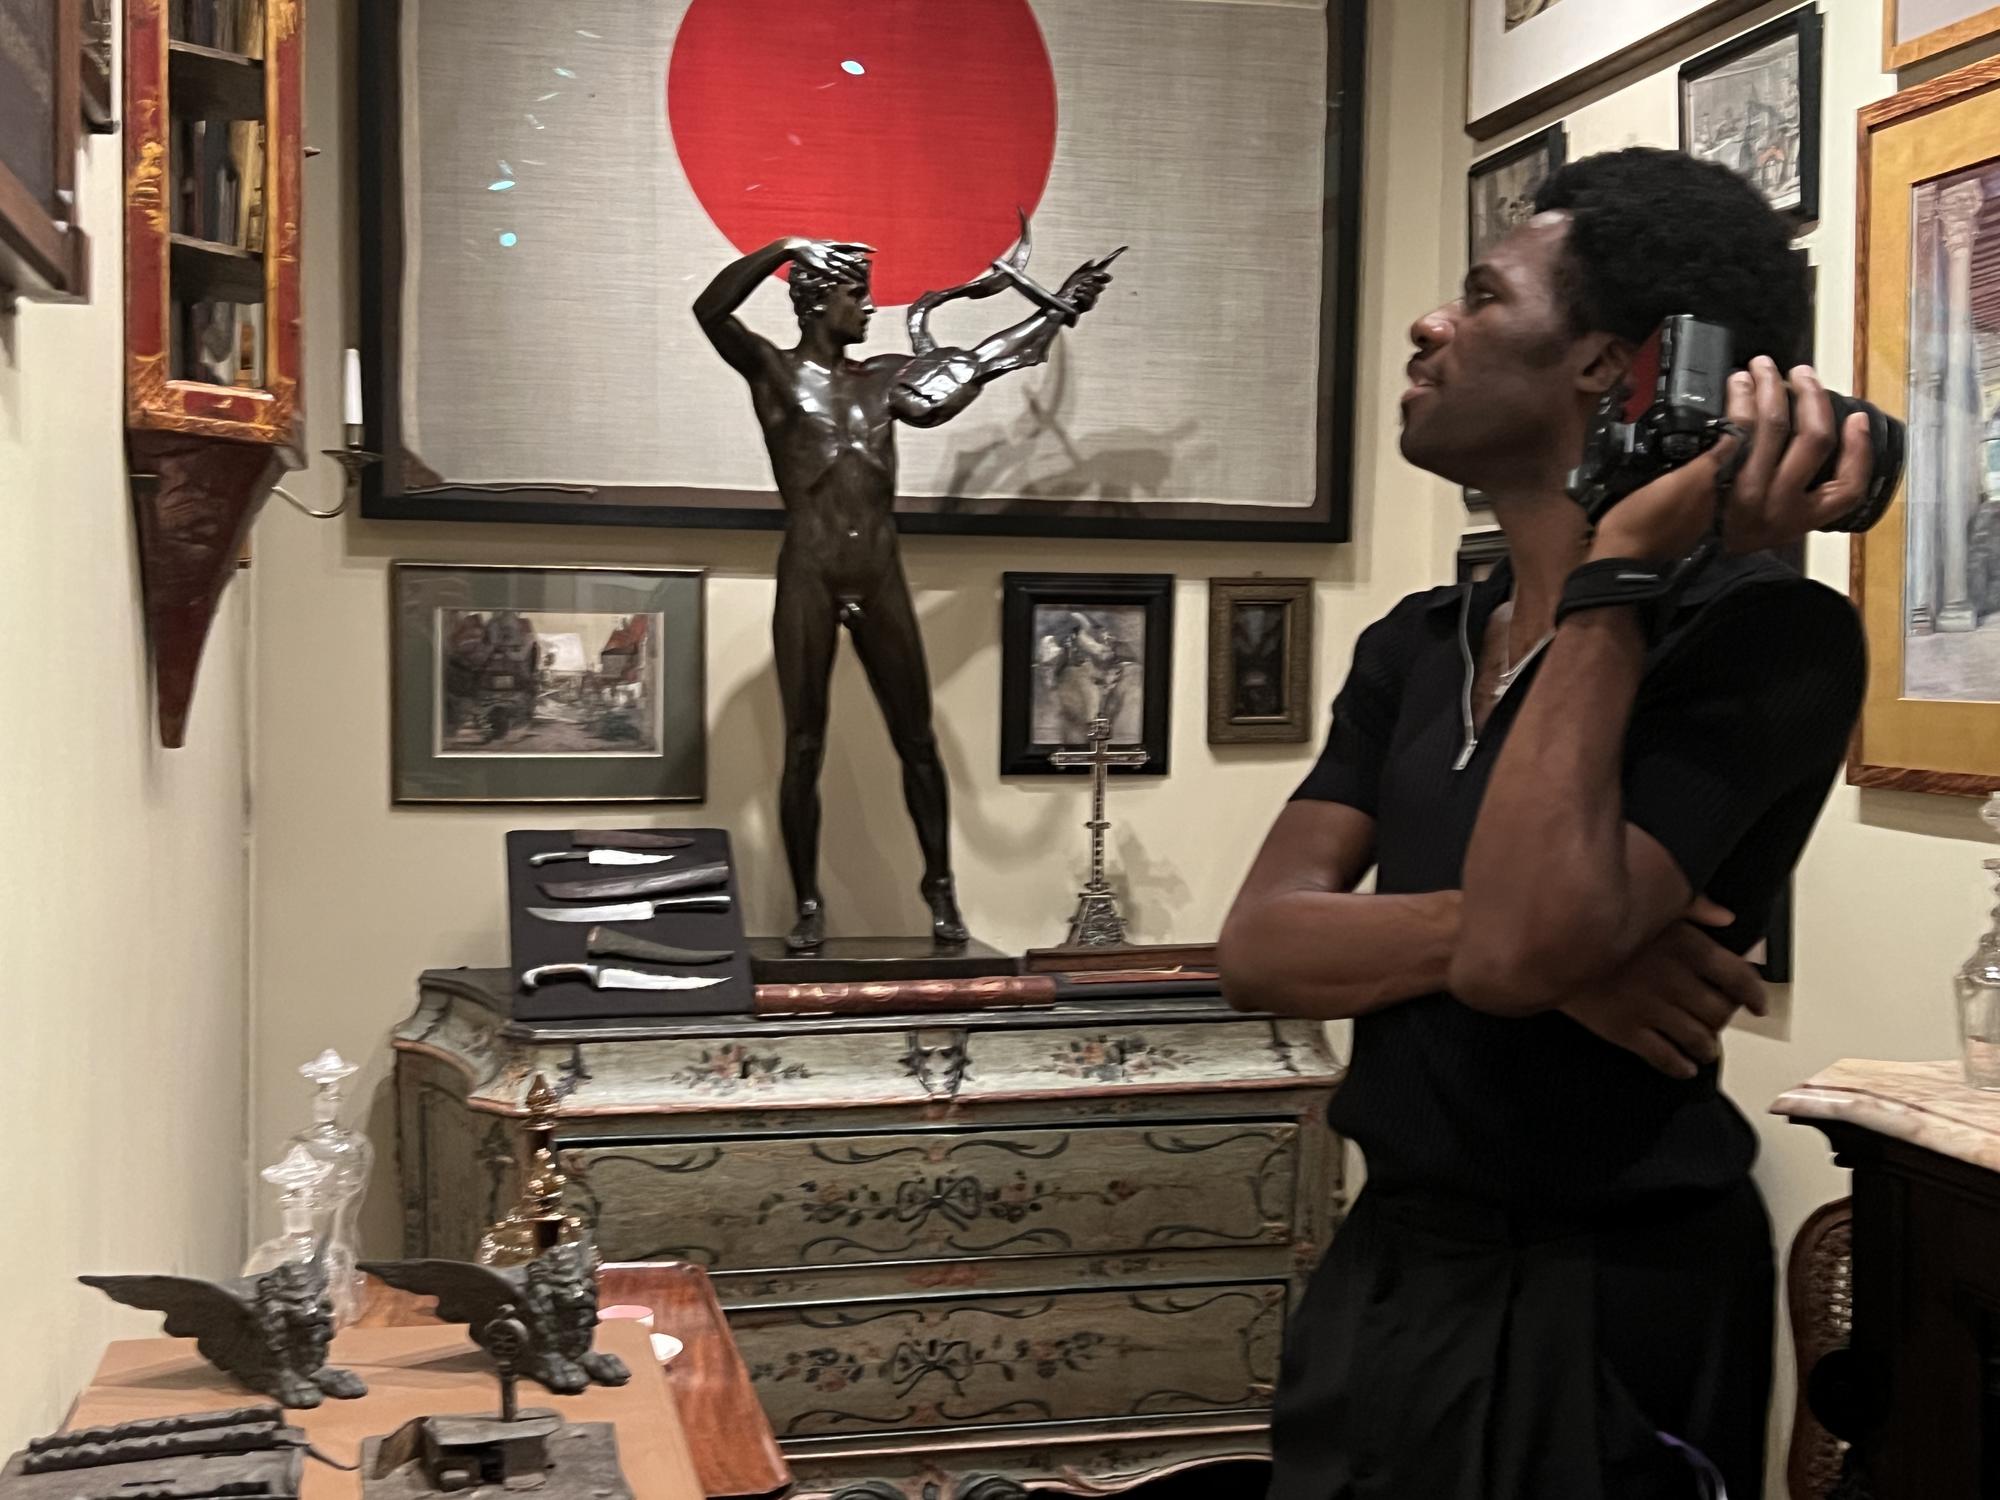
1917, 1390
411, 1372
735, 1453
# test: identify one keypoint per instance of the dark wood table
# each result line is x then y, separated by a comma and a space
1917, 1390
734, 1451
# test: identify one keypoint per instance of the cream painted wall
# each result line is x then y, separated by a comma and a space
354, 897
123, 900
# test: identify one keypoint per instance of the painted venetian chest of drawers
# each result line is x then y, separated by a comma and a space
1055, 1244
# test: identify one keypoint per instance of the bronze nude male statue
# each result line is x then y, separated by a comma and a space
829, 423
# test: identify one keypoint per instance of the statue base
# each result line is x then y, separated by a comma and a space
866, 960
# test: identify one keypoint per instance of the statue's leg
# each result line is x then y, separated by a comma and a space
805, 629
891, 648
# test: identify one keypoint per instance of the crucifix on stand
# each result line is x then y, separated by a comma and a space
1097, 923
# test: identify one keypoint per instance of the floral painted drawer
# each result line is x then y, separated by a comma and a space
1057, 1244
751, 1204
834, 1371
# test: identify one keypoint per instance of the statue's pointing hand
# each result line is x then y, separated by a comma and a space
1086, 284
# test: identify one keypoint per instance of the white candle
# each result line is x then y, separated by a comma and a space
353, 417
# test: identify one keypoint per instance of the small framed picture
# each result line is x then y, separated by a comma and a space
1500, 190
1753, 105
1479, 553
547, 684
1259, 660
1077, 647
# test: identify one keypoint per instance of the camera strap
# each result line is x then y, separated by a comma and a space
1624, 582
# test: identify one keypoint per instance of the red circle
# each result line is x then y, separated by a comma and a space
925, 153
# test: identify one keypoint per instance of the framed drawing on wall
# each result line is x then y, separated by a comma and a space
1753, 105
42, 251
1526, 56
1913, 30
1927, 578
1500, 189
536, 231
1259, 660
1479, 553
547, 684
1081, 646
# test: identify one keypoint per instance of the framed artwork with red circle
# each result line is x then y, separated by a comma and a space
548, 190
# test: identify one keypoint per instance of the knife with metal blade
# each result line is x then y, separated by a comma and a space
606, 942
629, 838
601, 978
635, 911
693, 878
598, 857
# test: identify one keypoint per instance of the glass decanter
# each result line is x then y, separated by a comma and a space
1978, 986
298, 1179
349, 1158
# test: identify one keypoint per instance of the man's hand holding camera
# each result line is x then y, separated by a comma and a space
1769, 501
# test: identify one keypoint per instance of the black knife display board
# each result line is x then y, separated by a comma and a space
536, 941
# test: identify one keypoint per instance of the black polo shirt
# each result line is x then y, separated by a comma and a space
1741, 722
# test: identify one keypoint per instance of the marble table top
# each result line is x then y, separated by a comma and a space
1927, 1104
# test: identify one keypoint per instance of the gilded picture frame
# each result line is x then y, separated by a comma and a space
1931, 719
1260, 634
1903, 45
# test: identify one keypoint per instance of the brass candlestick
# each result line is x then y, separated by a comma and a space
538, 1222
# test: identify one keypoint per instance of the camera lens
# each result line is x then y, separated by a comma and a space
1885, 440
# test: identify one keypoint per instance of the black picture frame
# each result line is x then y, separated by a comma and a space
1549, 148
1805, 24
390, 492
1022, 595
426, 767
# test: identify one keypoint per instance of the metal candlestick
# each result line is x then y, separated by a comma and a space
1097, 923
538, 1221
354, 461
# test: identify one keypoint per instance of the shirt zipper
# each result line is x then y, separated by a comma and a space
1465, 695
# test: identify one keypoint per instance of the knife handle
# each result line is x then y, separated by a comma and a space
535, 978
538, 860
691, 903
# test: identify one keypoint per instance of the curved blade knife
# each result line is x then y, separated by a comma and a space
632, 911
628, 838
608, 942
602, 978
598, 857
693, 878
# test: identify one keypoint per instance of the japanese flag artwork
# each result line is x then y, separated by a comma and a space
573, 173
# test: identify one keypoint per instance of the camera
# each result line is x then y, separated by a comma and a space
1672, 411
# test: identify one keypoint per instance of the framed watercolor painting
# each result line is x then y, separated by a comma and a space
1753, 104
537, 229
547, 684
1081, 646
1524, 57
1927, 578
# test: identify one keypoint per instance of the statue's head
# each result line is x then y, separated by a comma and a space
838, 304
